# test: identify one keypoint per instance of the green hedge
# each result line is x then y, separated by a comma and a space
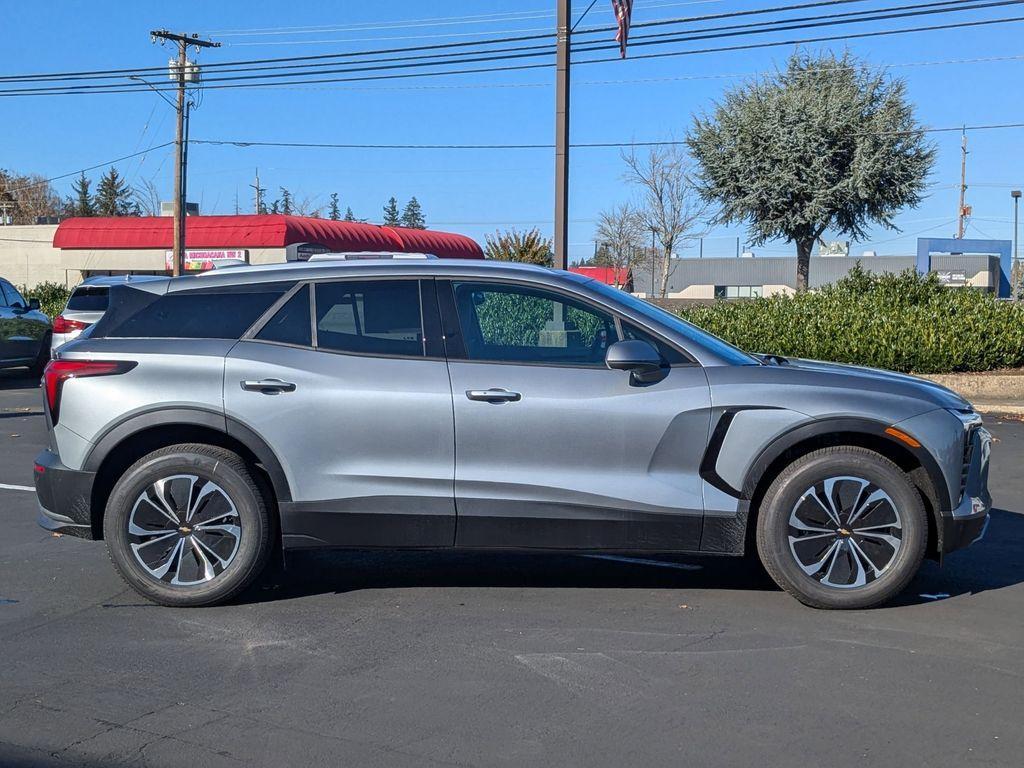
902, 322
52, 297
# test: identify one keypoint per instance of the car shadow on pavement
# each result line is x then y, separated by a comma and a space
17, 378
993, 563
339, 571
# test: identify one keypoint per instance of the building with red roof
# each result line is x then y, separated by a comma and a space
617, 277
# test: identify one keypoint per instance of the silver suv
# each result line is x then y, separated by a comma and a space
482, 405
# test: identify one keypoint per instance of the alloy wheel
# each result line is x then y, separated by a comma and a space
184, 530
845, 532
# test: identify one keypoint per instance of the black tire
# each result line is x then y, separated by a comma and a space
232, 480
780, 545
42, 357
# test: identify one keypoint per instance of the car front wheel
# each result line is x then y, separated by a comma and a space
842, 527
188, 526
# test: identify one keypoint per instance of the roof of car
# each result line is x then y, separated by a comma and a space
118, 279
290, 271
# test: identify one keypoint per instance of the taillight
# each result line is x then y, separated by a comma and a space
59, 371
62, 325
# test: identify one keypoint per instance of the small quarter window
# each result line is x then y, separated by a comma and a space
291, 323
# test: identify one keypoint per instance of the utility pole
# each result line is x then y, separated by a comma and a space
259, 193
1015, 269
183, 72
562, 43
963, 212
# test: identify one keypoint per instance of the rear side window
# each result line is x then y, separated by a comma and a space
206, 313
89, 298
377, 317
291, 323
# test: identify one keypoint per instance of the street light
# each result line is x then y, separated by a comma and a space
1015, 194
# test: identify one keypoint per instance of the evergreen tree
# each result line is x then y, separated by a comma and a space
286, 202
829, 143
81, 203
113, 195
349, 216
392, 218
334, 212
275, 207
412, 216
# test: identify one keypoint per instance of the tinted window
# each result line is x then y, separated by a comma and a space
723, 349
379, 317
208, 313
89, 298
518, 324
3, 298
13, 297
291, 323
668, 353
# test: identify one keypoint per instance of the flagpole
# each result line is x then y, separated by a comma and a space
564, 32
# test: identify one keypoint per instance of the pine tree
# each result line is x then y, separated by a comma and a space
349, 216
286, 202
391, 216
412, 216
275, 207
81, 204
334, 212
113, 195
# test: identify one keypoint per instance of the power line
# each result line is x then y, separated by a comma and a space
577, 145
90, 168
122, 89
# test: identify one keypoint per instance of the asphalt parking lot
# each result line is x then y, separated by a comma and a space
455, 659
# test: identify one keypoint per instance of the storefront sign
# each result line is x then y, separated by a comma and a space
200, 261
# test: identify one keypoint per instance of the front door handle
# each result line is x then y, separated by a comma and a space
493, 395
268, 386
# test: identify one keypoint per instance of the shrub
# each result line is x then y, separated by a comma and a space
902, 322
52, 296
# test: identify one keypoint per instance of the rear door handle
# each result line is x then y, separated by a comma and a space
493, 395
268, 386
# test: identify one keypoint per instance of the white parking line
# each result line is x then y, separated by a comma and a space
7, 487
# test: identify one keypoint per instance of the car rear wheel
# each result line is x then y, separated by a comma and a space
842, 527
188, 526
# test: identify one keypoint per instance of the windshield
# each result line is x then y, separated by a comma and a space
722, 349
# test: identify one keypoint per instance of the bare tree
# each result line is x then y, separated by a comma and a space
671, 207
620, 239
147, 198
27, 196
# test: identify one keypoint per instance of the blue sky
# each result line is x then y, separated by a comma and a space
470, 191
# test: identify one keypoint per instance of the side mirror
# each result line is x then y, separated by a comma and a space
636, 356
33, 304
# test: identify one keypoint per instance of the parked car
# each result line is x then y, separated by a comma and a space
24, 331
86, 305
482, 405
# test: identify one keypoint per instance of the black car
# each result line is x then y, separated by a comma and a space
24, 331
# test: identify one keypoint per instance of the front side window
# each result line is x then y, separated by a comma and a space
510, 323
14, 299
377, 317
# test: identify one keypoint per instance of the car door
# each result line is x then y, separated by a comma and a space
22, 329
553, 448
349, 387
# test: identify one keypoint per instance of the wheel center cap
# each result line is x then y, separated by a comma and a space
844, 532
184, 530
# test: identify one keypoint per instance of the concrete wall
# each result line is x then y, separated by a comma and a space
27, 257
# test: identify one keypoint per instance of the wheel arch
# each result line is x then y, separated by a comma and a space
919, 465
122, 445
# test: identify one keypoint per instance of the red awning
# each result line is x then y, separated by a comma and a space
614, 276
270, 231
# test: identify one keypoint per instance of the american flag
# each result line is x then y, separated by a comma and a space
623, 9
